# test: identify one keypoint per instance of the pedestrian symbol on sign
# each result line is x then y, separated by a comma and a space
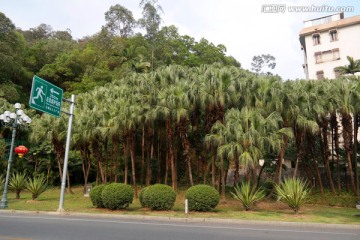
39, 94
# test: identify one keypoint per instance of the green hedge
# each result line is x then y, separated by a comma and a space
202, 198
95, 195
117, 196
159, 197
141, 197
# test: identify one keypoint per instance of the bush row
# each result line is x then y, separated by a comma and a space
156, 197
294, 192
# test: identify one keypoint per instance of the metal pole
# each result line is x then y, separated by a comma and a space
4, 201
67, 148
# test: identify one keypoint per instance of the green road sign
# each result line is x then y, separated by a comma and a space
46, 97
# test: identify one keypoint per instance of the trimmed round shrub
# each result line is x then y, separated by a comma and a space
159, 197
202, 198
141, 197
95, 196
117, 196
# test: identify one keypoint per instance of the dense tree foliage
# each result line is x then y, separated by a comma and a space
165, 108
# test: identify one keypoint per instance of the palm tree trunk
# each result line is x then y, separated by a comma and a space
356, 119
213, 167
334, 126
132, 156
159, 161
169, 131
167, 161
237, 167
142, 154
205, 170
106, 157
68, 189
58, 158
116, 162
147, 163
17, 194
182, 124
85, 163
347, 135
311, 143
325, 150
278, 172
296, 166
299, 142
223, 180
125, 161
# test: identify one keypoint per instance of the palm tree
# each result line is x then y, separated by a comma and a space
352, 68
302, 119
166, 107
181, 115
215, 84
322, 106
46, 127
216, 138
355, 98
345, 108
80, 136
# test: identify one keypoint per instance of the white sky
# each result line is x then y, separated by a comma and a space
240, 25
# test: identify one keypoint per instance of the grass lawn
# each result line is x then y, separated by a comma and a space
232, 209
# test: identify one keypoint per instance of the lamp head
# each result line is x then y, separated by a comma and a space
261, 162
17, 105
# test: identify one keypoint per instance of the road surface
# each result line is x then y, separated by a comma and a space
15, 226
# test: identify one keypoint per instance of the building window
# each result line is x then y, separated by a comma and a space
318, 58
337, 73
320, 75
333, 35
316, 39
327, 56
336, 54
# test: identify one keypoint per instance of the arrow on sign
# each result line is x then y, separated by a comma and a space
53, 91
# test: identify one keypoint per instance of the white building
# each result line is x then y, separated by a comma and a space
326, 42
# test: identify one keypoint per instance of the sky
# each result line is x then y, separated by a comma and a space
246, 28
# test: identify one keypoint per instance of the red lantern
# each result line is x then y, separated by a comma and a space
21, 150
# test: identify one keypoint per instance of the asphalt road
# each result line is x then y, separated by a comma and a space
14, 226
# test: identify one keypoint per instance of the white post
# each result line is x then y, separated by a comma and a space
67, 148
186, 206
4, 201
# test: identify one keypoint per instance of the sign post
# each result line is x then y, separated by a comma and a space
66, 159
46, 97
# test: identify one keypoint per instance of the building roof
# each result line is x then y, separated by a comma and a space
330, 25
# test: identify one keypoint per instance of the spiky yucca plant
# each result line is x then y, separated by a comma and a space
17, 183
294, 192
247, 195
36, 186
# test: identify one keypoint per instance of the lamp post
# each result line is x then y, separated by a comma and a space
14, 120
262, 165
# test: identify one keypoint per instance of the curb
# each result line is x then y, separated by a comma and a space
188, 219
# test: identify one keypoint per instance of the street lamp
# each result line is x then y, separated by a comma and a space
262, 165
14, 120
